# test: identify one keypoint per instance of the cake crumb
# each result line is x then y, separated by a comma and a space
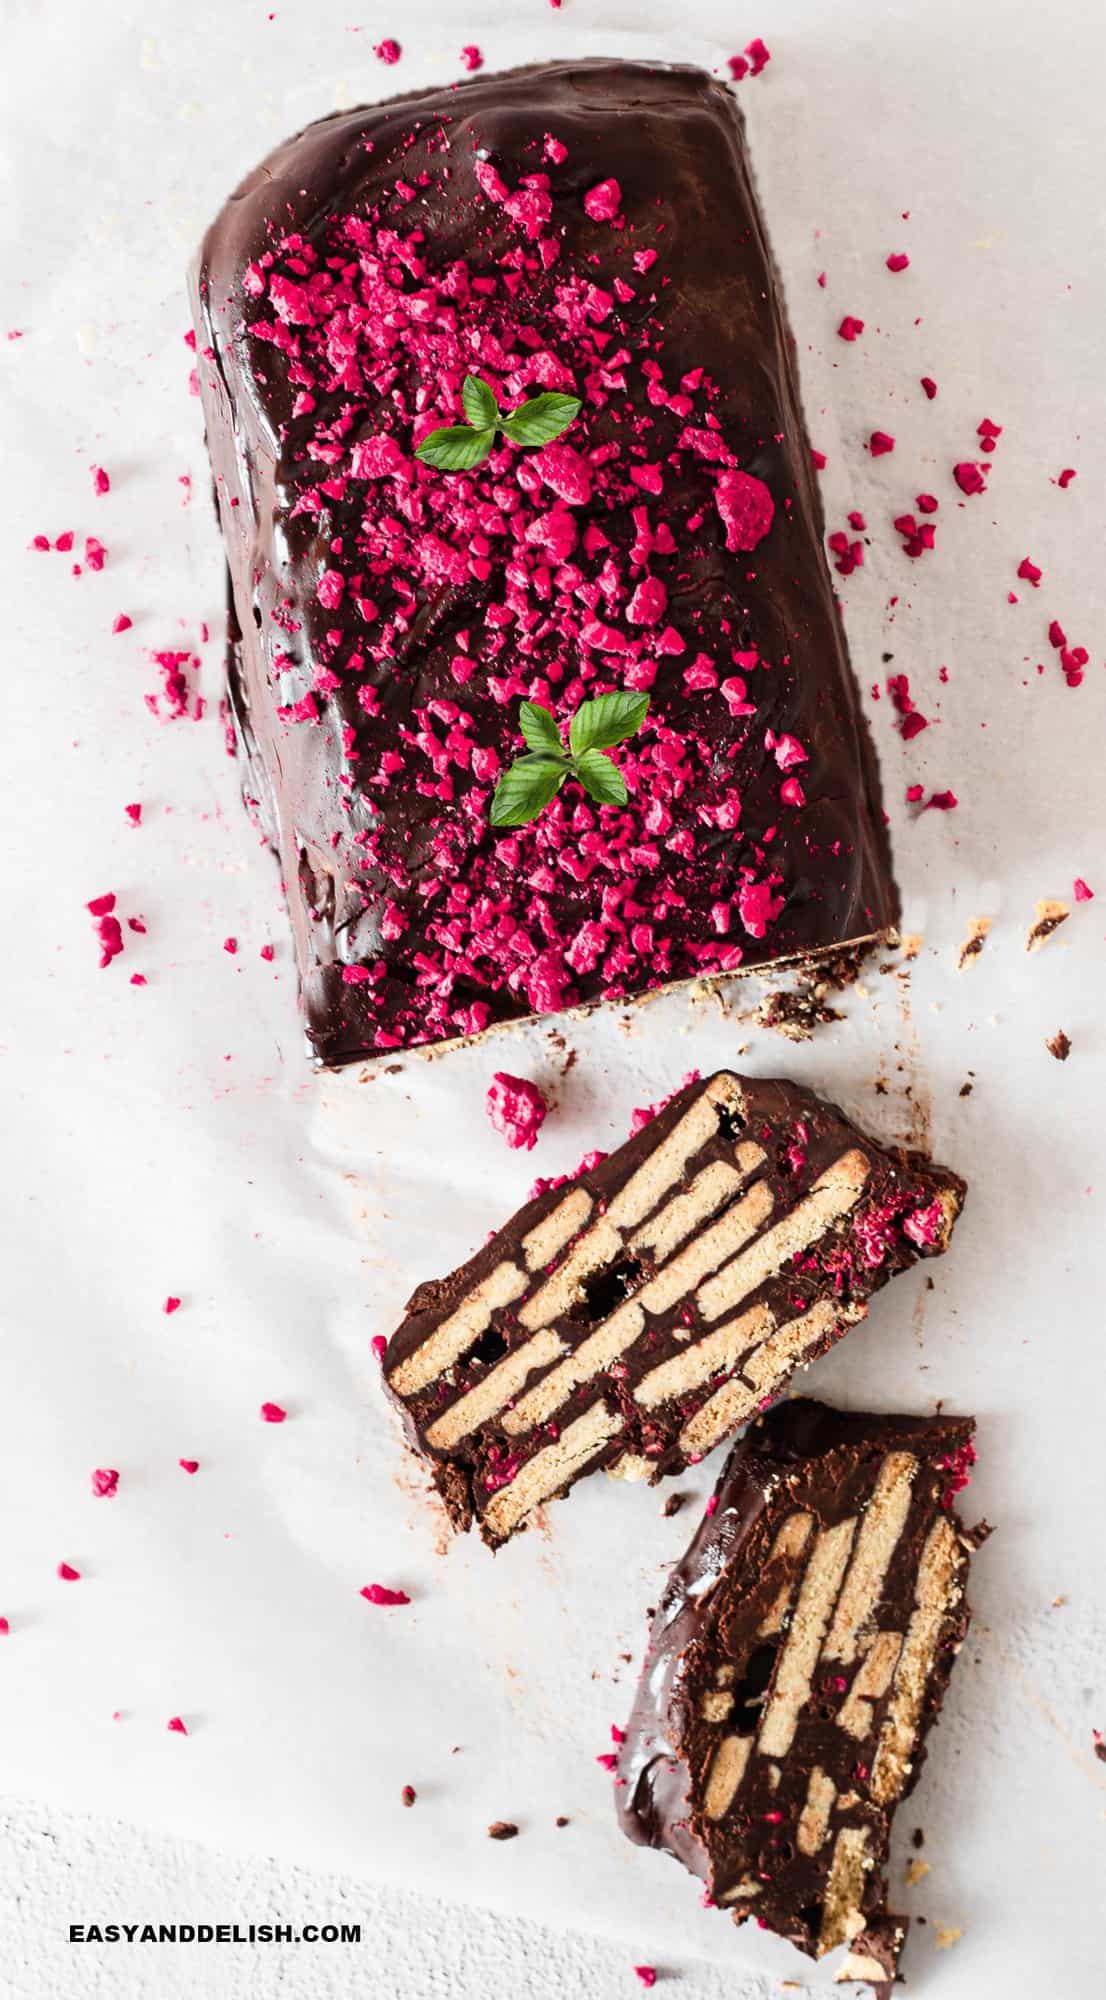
974, 942
502, 1829
1050, 915
1059, 1045
947, 1936
916, 1871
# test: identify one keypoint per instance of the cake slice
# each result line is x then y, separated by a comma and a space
638, 1314
582, 229
798, 1659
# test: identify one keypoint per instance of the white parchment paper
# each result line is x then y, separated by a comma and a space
168, 1138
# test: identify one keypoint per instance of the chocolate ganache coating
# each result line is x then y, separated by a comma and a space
587, 227
797, 1661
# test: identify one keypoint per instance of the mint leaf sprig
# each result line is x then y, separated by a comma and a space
458, 447
535, 779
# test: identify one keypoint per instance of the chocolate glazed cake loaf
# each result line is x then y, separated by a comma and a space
636, 1316
799, 1657
589, 228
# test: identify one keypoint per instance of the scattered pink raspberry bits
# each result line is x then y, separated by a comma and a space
68, 1574
272, 1413
172, 1304
850, 328
134, 813
1066, 477
189, 1465
647, 1974
1029, 572
516, 1108
929, 386
755, 59
379, 1345
100, 481
379, 1593
746, 508
1081, 891
177, 1726
603, 201
471, 57
108, 928
104, 1483
898, 261
5, 1628
880, 443
388, 51
121, 622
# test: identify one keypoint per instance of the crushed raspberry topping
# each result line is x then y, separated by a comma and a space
172, 1304
388, 51
958, 1464
850, 328
68, 1574
1081, 891
929, 386
176, 1726
898, 260
880, 443
379, 1593
100, 481
550, 575
969, 476
189, 1465
647, 1974
516, 1108
471, 57
272, 1413
1029, 572
121, 622
379, 1345
105, 1483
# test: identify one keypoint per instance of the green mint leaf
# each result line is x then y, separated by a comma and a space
539, 730
480, 406
523, 790
609, 719
602, 780
542, 419
455, 448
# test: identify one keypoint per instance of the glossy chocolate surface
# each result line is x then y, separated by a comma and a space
395, 616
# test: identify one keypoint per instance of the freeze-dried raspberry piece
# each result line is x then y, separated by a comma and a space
121, 622
471, 57
1029, 571
172, 1304
897, 261
230, 946
176, 1726
379, 1593
272, 1413
516, 1108
68, 1574
969, 476
647, 1974
105, 1483
1081, 891
388, 51
1067, 475
850, 328
603, 201
746, 507
108, 928
880, 443
100, 481
759, 56
929, 385
189, 1465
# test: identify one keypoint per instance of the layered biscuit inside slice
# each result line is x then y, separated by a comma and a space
639, 1315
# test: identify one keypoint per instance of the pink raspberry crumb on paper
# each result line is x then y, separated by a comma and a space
105, 1483
647, 1974
5, 1628
379, 1345
850, 328
68, 1574
230, 946
1067, 475
134, 813
516, 1108
108, 928
879, 443
189, 1465
759, 56
1029, 572
898, 261
100, 481
272, 1413
379, 1593
388, 51
95, 554
1081, 891
172, 1304
121, 623
969, 476
176, 1726
268, 953
471, 58
929, 385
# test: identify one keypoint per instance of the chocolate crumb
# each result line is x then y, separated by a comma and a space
672, 1505
561, 1820
1099, 1747
974, 942
502, 1829
965, 1090
1050, 915
918, 1838
1059, 1045
408, 1795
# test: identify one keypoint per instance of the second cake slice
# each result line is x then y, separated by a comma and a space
636, 1316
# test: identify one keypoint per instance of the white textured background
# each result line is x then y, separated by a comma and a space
169, 1139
